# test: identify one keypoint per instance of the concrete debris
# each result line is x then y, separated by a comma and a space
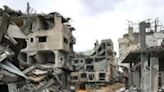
35, 51
4, 25
11, 68
39, 72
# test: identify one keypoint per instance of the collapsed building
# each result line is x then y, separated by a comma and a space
97, 69
142, 52
36, 50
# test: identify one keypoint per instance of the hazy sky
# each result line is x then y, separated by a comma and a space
96, 19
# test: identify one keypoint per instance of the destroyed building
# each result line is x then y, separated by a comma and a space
36, 50
53, 44
96, 69
130, 42
143, 51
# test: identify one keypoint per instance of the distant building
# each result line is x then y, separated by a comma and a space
98, 68
128, 43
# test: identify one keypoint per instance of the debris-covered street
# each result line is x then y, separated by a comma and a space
37, 55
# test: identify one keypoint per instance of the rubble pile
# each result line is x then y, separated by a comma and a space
28, 62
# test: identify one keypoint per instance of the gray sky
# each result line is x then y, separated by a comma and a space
96, 19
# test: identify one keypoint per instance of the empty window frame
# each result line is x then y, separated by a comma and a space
31, 39
89, 61
108, 44
83, 75
74, 77
70, 45
43, 39
66, 40
76, 61
91, 76
101, 76
81, 61
90, 68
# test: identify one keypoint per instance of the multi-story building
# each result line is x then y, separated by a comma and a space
97, 68
50, 41
131, 42
36, 50
128, 43
143, 70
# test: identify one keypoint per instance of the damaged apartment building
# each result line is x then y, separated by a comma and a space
35, 51
96, 69
142, 53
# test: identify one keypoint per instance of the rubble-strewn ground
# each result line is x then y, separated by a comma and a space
110, 88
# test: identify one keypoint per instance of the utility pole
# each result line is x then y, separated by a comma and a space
28, 8
156, 25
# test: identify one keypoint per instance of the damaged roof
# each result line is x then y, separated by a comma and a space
134, 56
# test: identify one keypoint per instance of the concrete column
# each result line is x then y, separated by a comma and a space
142, 46
56, 57
131, 75
29, 55
130, 32
162, 78
142, 29
154, 74
136, 79
145, 74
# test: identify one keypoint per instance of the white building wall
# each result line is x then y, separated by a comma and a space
154, 39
